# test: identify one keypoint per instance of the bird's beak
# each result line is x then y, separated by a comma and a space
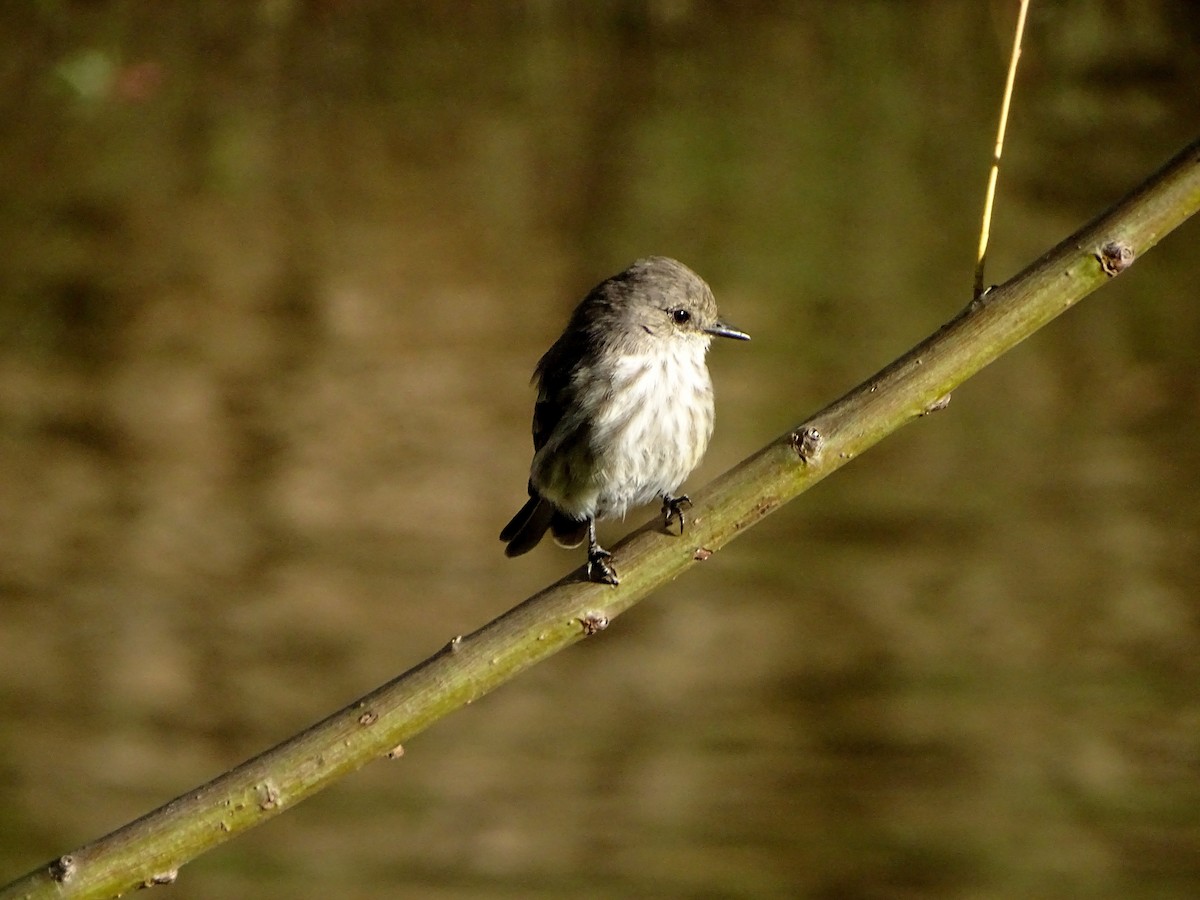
720, 329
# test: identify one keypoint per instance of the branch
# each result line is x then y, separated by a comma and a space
150, 850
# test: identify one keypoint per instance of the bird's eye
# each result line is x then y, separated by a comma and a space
681, 316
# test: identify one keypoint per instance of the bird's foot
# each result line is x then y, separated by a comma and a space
599, 569
673, 508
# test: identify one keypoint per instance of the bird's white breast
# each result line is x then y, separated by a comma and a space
652, 420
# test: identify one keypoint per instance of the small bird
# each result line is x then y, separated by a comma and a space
624, 409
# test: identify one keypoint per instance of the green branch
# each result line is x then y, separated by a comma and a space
150, 850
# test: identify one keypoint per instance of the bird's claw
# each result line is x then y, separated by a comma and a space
673, 508
599, 569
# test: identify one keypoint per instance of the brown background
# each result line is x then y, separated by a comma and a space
274, 278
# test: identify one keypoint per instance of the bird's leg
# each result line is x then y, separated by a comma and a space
673, 508
598, 567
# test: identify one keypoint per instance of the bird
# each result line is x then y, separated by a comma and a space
624, 408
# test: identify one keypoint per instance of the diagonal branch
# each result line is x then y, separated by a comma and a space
150, 850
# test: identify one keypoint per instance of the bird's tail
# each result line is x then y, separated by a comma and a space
527, 528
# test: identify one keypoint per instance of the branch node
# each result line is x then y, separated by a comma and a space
807, 443
62, 869
593, 622
167, 877
981, 299
937, 405
1115, 257
268, 795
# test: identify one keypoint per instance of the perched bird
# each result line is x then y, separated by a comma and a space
624, 409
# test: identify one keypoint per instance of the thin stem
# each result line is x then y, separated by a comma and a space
994, 174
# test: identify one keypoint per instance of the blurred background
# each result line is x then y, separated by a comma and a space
275, 277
